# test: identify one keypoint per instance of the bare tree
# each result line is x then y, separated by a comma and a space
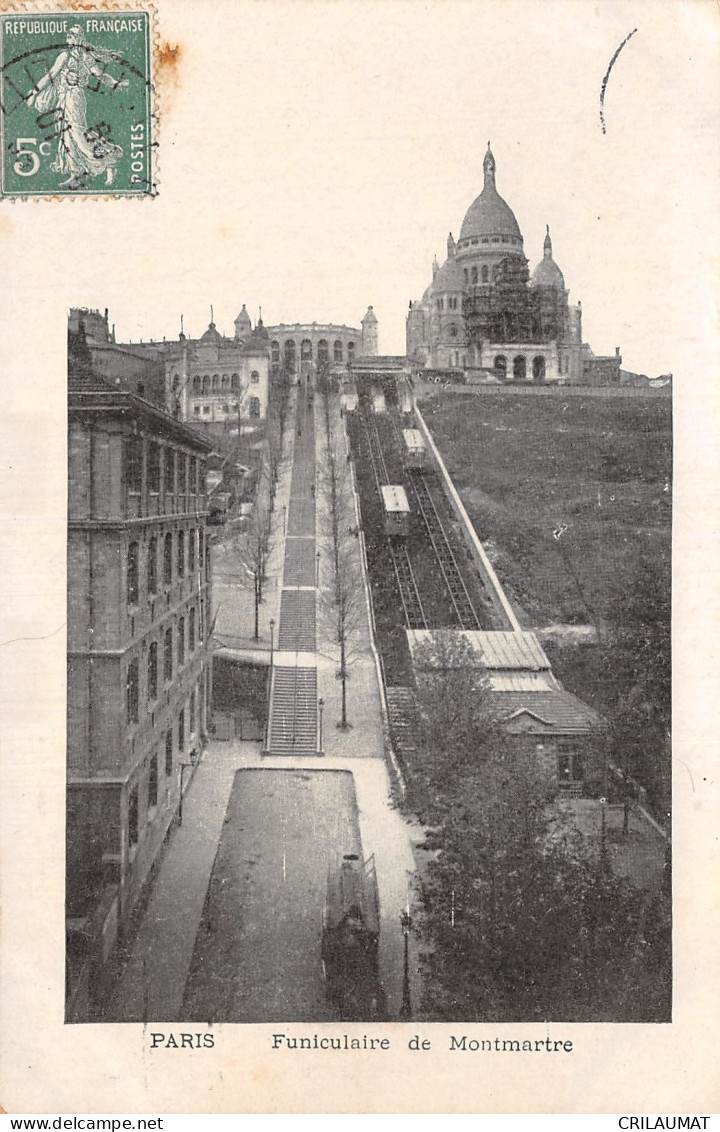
338, 524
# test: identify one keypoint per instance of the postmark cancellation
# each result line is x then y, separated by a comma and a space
77, 103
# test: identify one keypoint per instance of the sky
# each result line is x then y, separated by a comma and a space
313, 157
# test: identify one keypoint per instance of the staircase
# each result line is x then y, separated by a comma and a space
297, 621
403, 720
293, 722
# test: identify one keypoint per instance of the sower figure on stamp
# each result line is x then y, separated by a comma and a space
82, 151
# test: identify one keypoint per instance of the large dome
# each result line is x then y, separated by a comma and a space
489, 215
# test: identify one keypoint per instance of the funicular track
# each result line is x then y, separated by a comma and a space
427, 508
404, 574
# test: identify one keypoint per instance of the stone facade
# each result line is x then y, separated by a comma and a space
138, 669
484, 313
300, 346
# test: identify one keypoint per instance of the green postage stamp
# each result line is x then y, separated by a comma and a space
76, 103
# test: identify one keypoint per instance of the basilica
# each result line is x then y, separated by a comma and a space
485, 314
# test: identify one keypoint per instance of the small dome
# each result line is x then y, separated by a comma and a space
260, 331
489, 215
211, 335
370, 317
547, 273
449, 278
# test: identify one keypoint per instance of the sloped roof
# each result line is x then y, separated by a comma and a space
559, 710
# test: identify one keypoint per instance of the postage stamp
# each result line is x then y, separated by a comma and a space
76, 104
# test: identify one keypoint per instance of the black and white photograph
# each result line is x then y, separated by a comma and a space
369, 463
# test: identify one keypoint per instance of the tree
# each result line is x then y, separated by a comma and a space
338, 524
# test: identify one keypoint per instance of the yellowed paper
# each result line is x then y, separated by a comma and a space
311, 158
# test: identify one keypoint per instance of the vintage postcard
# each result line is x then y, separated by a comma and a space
359, 568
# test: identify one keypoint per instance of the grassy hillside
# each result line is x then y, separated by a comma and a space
527, 467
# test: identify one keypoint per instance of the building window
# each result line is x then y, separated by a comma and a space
133, 573
152, 566
474, 275
519, 367
351, 351
215, 382
191, 631
193, 706
254, 377
133, 463
153, 783
206, 410
153, 671
181, 730
197, 385
206, 384
169, 478
235, 381
181, 642
133, 817
202, 547
167, 560
467, 280
193, 476
168, 666
337, 351
255, 407
226, 381
538, 368
153, 469
181, 554
133, 692
196, 410
290, 354
453, 331
191, 551
168, 753
485, 273
501, 365
306, 350
275, 352
323, 352
182, 473
226, 410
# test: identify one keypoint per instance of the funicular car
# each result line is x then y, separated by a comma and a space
351, 929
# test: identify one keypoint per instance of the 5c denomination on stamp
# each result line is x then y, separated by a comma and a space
76, 104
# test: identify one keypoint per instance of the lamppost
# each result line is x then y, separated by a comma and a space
272, 650
406, 1005
183, 768
317, 571
321, 705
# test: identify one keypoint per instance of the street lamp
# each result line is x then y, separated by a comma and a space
183, 768
317, 571
406, 1005
321, 705
272, 637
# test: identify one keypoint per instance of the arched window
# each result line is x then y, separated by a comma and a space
153, 671
519, 368
235, 381
197, 385
337, 351
133, 692
226, 381
538, 368
453, 331
500, 366
206, 384
290, 354
275, 352
152, 566
474, 275
215, 382
169, 471
133, 573
167, 560
181, 642
133, 822
306, 350
351, 351
153, 469
255, 407
181, 554
254, 377
485, 273
168, 656
168, 753
323, 352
